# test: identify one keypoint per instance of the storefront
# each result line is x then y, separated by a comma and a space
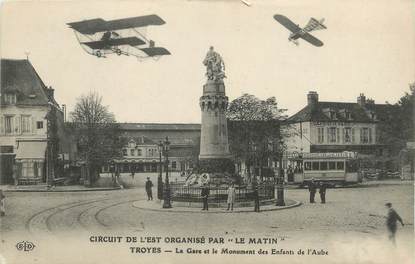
30, 162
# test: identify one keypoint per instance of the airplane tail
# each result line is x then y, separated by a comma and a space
314, 24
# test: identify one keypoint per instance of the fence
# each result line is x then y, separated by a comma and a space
219, 194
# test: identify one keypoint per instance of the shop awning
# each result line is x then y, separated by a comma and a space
31, 150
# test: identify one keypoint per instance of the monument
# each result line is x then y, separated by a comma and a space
214, 154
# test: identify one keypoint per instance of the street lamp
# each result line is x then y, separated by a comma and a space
280, 180
160, 177
166, 193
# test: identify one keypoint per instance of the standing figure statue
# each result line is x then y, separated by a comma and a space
215, 66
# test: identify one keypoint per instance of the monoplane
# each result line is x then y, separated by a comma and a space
125, 36
298, 32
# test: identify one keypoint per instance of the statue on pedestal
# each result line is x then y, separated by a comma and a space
215, 66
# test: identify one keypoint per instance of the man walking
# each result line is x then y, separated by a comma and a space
391, 220
322, 191
205, 195
312, 190
149, 186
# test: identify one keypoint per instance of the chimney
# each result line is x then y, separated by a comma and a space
312, 98
50, 92
361, 100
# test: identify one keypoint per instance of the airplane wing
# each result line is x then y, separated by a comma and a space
93, 26
133, 22
132, 41
314, 24
314, 41
88, 27
286, 22
155, 51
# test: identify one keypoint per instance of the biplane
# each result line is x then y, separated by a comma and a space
298, 32
125, 36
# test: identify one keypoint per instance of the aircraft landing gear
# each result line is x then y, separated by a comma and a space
118, 51
98, 54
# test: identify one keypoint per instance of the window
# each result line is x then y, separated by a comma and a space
331, 134
332, 115
139, 152
347, 135
307, 165
132, 152
364, 135
28, 169
39, 124
348, 115
124, 152
173, 165
26, 121
10, 98
340, 165
8, 124
370, 135
323, 165
320, 134
315, 165
332, 165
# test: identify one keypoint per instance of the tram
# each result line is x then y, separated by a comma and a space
333, 168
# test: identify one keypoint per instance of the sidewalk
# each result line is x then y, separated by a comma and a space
44, 188
157, 206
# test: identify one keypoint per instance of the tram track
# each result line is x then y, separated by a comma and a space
42, 221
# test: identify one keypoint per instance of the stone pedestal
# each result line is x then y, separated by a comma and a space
214, 147
214, 132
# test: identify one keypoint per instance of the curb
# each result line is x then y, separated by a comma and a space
75, 190
197, 211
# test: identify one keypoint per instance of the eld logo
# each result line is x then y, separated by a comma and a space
25, 246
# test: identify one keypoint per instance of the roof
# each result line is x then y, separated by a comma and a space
19, 77
358, 113
158, 126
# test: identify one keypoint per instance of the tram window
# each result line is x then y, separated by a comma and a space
340, 165
323, 165
307, 165
332, 165
315, 165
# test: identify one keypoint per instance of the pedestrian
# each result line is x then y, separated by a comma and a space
322, 191
391, 220
149, 191
133, 171
2, 203
205, 195
256, 196
312, 190
231, 196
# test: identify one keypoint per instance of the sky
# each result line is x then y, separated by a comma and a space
368, 48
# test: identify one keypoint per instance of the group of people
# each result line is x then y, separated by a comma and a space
312, 188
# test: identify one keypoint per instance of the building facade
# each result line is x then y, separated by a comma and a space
141, 152
336, 127
26, 107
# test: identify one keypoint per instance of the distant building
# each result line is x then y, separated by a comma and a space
141, 150
336, 126
25, 105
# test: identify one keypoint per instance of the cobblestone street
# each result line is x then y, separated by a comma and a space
350, 215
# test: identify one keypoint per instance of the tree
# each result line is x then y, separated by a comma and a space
396, 126
96, 133
255, 129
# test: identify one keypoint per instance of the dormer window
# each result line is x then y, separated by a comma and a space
131, 144
10, 98
373, 115
332, 114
